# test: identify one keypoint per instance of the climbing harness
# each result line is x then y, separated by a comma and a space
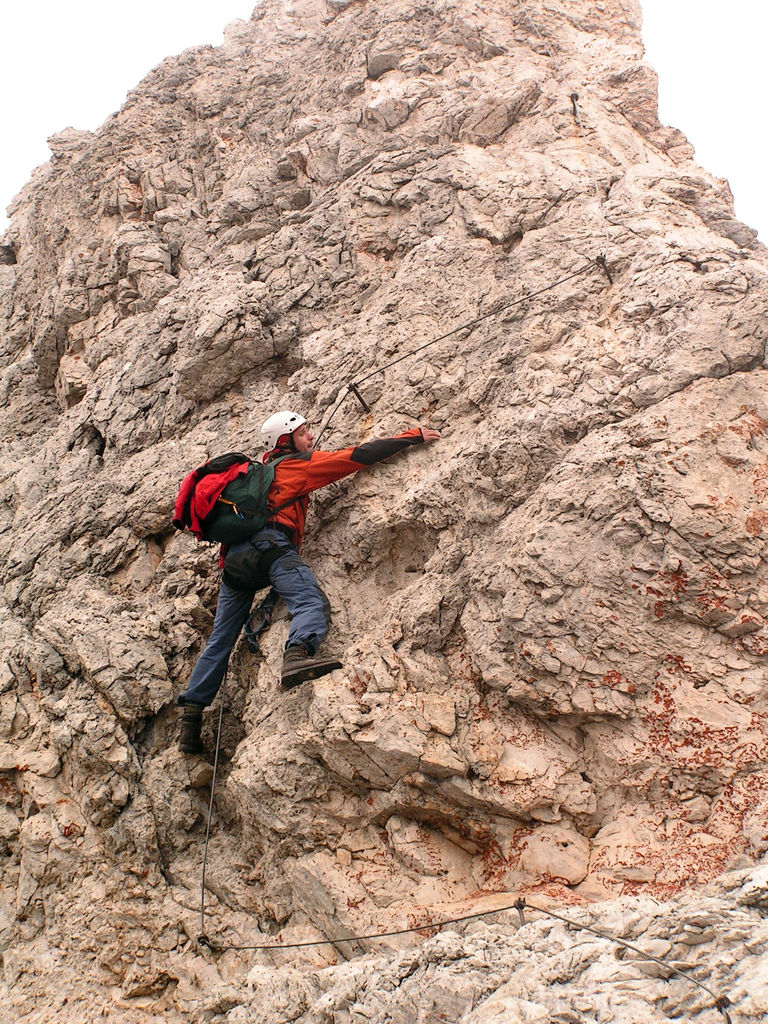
260, 619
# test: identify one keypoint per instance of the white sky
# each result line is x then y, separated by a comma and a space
710, 58
72, 63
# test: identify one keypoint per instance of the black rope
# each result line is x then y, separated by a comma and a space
203, 938
344, 392
601, 260
356, 938
574, 98
720, 1002
477, 320
352, 387
542, 40
593, 177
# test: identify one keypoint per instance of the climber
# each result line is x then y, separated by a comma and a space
271, 556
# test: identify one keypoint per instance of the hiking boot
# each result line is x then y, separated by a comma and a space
299, 665
191, 723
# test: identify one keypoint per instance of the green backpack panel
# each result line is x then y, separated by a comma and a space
241, 509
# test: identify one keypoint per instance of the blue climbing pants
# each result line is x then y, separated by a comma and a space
247, 569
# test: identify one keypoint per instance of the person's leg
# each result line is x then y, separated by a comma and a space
231, 613
307, 604
310, 613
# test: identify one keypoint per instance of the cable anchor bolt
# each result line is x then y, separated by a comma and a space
574, 97
519, 905
721, 1002
355, 391
601, 262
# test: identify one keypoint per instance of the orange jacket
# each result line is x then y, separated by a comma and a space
298, 476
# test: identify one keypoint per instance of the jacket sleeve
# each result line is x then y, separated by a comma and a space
305, 475
375, 451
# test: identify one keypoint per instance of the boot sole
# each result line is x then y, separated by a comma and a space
312, 672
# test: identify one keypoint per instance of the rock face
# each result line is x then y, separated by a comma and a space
553, 621
493, 973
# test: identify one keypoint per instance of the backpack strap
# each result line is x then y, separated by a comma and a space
287, 504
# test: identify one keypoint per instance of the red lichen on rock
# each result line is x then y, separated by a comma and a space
760, 483
755, 522
750, 424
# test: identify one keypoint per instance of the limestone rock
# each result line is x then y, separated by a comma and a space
553, 622
492, 970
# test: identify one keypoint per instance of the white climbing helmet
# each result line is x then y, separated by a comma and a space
279, 423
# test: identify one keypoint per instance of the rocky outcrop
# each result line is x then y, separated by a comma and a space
493, 971
552, 622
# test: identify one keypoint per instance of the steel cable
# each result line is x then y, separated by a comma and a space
720, 1002
574, 96
354, 384
210, 809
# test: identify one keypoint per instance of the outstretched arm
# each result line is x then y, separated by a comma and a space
316, 469
375, 451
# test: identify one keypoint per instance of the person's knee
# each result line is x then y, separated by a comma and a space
293, 578
286, 563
